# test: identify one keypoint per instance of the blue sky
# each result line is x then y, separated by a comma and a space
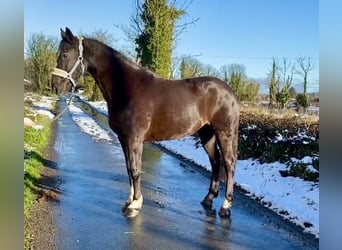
241, 31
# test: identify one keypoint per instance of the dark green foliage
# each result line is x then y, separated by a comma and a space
251, 91
245, 89
155, 41
261, 143
283, 97
299, 169
303, 100
35, 142
273, 84
237, 83
280, 75
237, 79
286, 73
315, 164
270, 142
254, 142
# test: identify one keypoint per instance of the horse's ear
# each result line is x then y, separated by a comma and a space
68, 32
67, 35
62, 33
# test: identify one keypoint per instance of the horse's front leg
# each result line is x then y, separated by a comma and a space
134, 148
131, 189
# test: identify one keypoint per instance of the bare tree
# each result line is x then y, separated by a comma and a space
191, 67
40, 60
210, 70
103, 36
224, 73
305, 66
286, 70
176, 64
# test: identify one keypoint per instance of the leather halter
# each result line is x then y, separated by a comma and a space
68, 75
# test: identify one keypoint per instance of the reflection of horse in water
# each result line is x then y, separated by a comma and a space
144, 107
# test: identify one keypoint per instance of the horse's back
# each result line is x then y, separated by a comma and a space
182, 107
209, 94
219, 104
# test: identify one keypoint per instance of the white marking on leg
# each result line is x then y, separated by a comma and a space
131, 194
226, 204
136, 204
130, 197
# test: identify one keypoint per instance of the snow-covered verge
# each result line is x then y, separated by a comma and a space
37, 105
291, 197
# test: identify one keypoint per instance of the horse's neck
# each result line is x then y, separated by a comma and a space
108, 77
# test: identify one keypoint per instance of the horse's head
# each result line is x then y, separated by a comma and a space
70, 64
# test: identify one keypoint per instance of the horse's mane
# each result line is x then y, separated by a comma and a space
123, 58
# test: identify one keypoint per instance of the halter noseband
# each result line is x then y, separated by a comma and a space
68, 75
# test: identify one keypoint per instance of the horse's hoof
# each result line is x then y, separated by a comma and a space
131, 209
124, 208
127, 203
224, 212
131, 212
207, 204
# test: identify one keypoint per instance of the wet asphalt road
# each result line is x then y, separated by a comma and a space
94, 186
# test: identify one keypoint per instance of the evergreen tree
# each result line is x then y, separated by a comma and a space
237, 79
273, 84
283, 96
155, 42
251, 91
303, 100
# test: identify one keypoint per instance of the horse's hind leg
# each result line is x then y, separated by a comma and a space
208, 140
228, 145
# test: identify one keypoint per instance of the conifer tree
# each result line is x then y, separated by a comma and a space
154, 44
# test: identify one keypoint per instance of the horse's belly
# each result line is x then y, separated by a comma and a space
173, 126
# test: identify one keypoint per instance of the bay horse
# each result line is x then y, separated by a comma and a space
143, 107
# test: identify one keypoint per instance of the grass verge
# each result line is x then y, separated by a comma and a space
35, 144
